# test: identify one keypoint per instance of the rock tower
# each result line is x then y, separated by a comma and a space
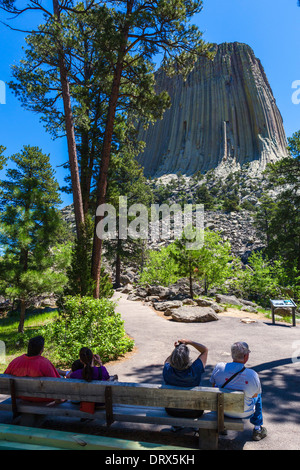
223, 116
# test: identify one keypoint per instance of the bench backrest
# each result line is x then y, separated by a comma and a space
144, 394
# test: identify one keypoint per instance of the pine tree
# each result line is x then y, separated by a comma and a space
32, 263
142, 30
126, 179
127, 38
54, 17
283, 220
277, 216
209, 263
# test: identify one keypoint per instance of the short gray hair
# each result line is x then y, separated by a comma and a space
180, 357
239, 350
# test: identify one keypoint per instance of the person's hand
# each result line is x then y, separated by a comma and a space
183, 341
97, 358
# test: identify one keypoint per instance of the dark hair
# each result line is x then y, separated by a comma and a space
77, 365
35, 346
86, 357
180, 358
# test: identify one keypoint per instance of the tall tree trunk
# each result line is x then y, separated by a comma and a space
298, 262
22, 316
118, 264
102, 182
205, 285
87, 152
24, 264
75, 179
85, 179
191, 281
105, 156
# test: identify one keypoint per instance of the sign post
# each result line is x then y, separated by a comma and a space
283, 304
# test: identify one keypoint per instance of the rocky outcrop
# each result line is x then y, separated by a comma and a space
194, 314
238, 228
223, 115
187, 310
235, 227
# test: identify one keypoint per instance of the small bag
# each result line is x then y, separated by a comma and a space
87, 406
232, 377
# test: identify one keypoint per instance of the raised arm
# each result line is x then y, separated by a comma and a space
203, 350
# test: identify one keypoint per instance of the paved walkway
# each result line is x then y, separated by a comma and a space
272, 346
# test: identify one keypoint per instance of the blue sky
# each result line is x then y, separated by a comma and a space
270, 27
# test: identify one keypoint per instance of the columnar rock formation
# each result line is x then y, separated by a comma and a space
224, 114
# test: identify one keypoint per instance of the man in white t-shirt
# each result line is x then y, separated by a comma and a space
246, 380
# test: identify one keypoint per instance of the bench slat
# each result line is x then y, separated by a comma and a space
124, 393
127, 402
20, 437
147, 415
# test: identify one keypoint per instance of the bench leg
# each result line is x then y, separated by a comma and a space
208, 439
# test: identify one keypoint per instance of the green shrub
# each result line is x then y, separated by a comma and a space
265, 279
231, 204
89, 322
160, 267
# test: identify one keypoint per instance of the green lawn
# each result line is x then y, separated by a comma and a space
16, 343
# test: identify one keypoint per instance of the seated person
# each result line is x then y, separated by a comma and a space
243, 379
75, 366
33, 364
181, 372
89, 371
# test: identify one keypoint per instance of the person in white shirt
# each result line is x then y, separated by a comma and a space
246, 380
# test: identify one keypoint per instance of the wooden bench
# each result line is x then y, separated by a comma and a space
126, 402
27, 438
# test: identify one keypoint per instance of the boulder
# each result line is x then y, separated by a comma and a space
248, 308
282, 311
182, 288
160, 291
170, 304
194, 314
217, 307
203, 302
127, 289
209, 303
125, 279
151, 298
141, 292
48, 302
133, 297
188, 302
228, 299
247, 302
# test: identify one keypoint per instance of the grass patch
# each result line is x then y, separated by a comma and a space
85, 321
285, 319
227, 306
16, 343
